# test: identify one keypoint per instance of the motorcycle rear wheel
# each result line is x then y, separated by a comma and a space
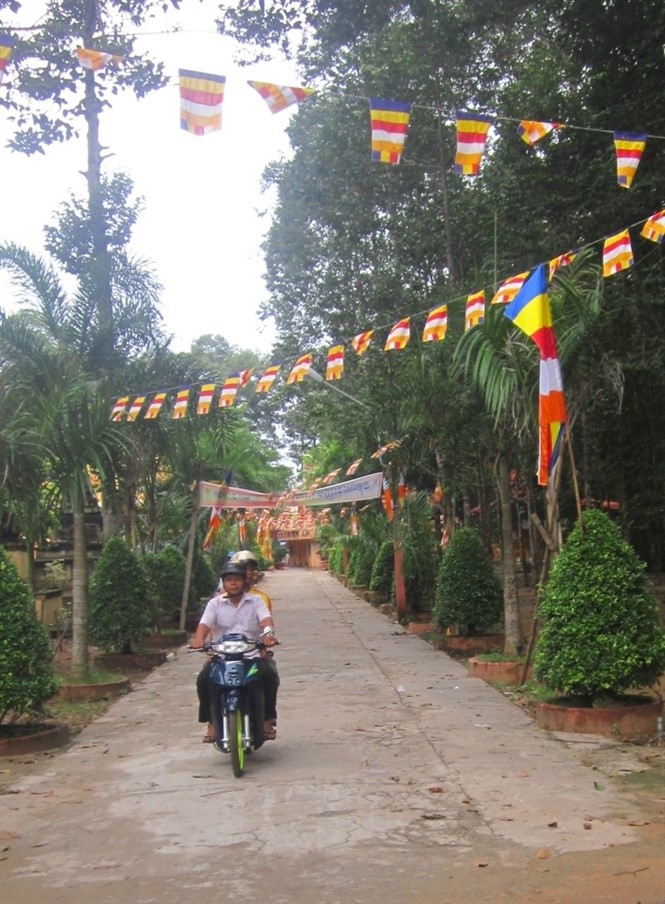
235, 744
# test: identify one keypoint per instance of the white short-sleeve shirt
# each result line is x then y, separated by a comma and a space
222, 617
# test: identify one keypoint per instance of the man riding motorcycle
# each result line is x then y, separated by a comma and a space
236, 611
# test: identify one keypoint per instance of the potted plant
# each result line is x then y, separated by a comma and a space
601, 636
27, 678
280, 552
468, 595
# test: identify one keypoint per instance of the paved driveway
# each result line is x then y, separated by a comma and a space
395, 778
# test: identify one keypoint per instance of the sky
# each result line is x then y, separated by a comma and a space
204, 216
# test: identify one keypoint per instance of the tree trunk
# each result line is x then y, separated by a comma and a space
101, 264
513, 639
190, 559
79, 594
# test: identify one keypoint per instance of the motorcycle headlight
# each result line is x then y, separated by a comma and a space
231, 647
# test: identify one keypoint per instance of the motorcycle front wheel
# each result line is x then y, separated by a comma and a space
235, 743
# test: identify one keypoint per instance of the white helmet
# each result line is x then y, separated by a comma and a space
244, 557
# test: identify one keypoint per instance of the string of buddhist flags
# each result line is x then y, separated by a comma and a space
617, 256
202, 96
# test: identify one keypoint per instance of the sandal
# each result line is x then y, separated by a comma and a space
270, 730
207, 739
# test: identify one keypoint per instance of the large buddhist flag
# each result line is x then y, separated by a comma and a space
230, 388
279, 97
531, 131
95, 59
268, 378
475, 309
120, 408
180, 406
387, 500
7, 44
335, 363
436, 324
155, 406
205, 398
509, 289
360, 343
300, 369
390, 123
654, 228
629, 148
399, 335
617, 253
530, 311
135, 408
201, 98
472, 129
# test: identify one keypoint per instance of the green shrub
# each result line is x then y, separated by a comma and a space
468, 592
363, 552
165, 573
415, 531
26, 673
120, 613
601, 632
326, 534
335, 556
204, 581
383, 569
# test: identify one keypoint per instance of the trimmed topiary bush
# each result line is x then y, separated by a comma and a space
335, 556
165, 572
468, 592
26, 673
363, 553
601, 629
383, 569
120, 612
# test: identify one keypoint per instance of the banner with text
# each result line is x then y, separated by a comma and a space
356, 490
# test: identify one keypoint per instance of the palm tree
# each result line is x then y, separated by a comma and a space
499, 364
49, 359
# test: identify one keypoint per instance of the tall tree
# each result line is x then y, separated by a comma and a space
47, 76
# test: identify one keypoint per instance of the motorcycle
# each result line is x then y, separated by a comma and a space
238, 710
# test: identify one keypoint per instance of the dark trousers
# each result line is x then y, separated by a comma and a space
207, 691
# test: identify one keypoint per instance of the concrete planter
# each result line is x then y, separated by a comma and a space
456, 643
85, 693
45, 737
419, 628
374, 598
636, 720
122, 661
497, 672
159, 641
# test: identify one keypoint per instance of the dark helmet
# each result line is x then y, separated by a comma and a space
233, 568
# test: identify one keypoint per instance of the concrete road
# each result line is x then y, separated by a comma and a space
395, 778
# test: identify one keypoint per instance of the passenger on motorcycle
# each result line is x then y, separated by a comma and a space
246, 557
236, 611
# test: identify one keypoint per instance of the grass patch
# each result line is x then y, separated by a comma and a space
92, 676
497, 656
75, 715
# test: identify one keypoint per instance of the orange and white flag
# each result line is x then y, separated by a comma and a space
399, 335
436, 324
95, 59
